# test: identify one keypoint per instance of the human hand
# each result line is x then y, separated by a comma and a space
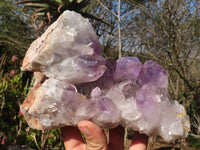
96, 139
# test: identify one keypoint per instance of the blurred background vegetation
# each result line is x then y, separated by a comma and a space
166, 31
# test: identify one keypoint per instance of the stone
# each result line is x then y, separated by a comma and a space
69, 45
74, 83
52, 104
127, 68
105, 82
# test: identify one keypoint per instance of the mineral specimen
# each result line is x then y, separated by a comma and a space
74, 83
69, 46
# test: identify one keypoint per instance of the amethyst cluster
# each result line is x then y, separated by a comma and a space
74, 83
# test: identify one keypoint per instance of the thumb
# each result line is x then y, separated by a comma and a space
94, 135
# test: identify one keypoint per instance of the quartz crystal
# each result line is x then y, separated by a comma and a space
69, 46
74, 83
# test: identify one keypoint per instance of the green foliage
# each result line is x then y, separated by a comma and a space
47, 11
11, 98
194, 142
16, 34
15, 29
3, 86
13, 124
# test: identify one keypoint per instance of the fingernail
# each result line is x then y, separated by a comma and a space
85, 130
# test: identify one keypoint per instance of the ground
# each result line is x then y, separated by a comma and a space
159, 144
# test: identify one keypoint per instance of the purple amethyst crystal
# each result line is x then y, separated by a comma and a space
108, 114
148, 106
104, 82
127, 68
74, 83
154, 74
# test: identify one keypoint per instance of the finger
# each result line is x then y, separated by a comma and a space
116, 138
72, 138
139, 142
94, 135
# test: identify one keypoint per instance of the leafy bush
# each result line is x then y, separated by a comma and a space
14, 129
194, 142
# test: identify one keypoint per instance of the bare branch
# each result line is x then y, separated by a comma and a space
107, 8
119, 29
